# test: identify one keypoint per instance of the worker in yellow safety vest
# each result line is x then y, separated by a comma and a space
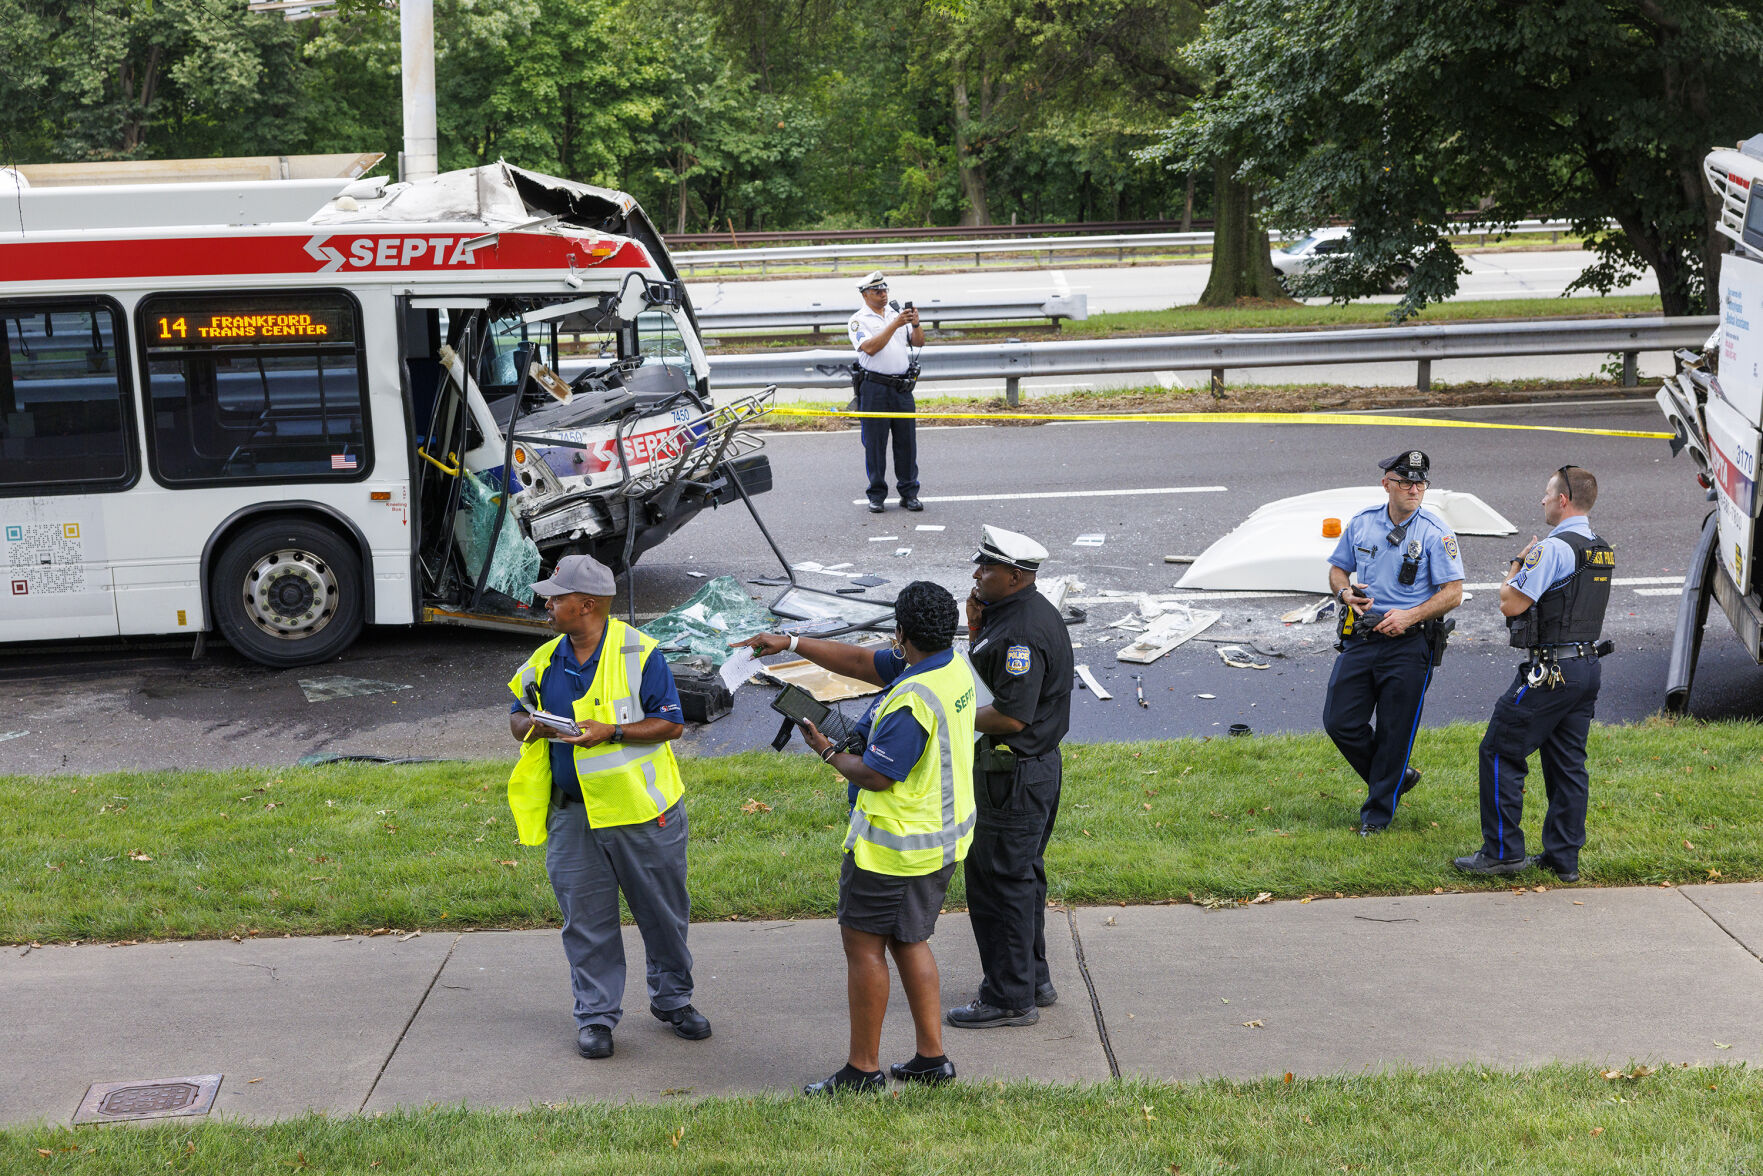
911, 824
597, 785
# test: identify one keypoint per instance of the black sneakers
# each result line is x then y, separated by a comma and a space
1480, 863
876, 508
1543, 863
1046, 994
848, 1081
912, 504
687, 1021
594, 1042
980, 1015
917, 1071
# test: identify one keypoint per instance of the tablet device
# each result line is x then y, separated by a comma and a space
798, 705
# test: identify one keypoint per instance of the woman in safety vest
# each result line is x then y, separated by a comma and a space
912, 822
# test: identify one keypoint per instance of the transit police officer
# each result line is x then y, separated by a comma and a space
1022, 653
1395, 573
606, 803
1553, 601
885, 378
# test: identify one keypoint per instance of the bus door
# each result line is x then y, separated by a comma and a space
67, 454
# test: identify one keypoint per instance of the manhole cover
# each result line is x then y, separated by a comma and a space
156, 1098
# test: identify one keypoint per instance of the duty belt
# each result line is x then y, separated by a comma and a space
1564, 652
882, 378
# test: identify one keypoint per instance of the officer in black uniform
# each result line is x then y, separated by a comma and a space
1395, 573
1553, 600
1022, 652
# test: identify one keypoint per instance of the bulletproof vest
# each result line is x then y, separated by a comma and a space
1572, 610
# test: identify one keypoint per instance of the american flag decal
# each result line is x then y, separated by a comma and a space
342, 461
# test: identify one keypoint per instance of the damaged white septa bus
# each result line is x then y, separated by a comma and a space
282, 410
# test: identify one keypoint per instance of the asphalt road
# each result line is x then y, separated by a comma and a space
1494, 274
82, 709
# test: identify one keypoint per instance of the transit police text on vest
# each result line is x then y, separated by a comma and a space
622, 783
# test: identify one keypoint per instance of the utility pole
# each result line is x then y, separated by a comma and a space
420, 159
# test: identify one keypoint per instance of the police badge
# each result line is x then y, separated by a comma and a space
1016, 660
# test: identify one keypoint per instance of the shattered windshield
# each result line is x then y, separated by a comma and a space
659, 339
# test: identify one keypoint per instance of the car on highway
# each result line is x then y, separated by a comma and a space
1312, 251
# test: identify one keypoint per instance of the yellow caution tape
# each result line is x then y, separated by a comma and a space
1221, 418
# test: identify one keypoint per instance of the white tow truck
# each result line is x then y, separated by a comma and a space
1715, 406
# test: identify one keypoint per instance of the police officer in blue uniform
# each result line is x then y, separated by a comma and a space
1553, 601
1395, 573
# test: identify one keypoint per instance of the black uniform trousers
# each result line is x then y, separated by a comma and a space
1554, 722
1388, 676
874, 396
1007, 877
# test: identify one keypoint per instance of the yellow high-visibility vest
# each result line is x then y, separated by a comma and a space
925, 821
622, 783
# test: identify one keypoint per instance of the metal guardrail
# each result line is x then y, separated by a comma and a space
924, 233
935, 313
1421, 345
906, 250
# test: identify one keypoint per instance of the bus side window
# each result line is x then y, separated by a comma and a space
255, 388
64, 426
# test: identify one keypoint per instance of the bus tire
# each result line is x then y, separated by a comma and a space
288, 592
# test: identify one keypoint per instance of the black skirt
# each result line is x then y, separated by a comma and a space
902, 908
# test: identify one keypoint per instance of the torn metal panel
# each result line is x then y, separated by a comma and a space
822, 684
1094, 686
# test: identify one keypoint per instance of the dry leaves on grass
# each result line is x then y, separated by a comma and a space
1264, 896
1637, 1072
755, 806
136, 855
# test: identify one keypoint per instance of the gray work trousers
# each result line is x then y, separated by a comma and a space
588, 867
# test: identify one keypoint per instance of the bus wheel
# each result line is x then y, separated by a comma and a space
288, 593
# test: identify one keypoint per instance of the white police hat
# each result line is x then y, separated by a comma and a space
578, 573
996, 545
876, 278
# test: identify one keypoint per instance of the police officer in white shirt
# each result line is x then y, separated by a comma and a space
884, 382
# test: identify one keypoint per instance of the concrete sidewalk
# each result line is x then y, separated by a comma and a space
354, 1025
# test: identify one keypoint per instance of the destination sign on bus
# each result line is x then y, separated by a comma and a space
232, 323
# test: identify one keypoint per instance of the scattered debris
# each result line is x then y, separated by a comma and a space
869, 581
1139, 686
1307, 614
1179, 559
714, 615
332, 688
1095, 540
929, 527
698, 575
1205, 696
769, 581
902, 551
1169, 631
1057, 588
822, 684
5, 735
1238, 658
1089, 680
884, 538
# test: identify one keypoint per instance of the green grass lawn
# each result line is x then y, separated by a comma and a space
357, 847
1556, 1120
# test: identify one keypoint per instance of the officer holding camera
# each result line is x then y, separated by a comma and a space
884, 375
1395, 573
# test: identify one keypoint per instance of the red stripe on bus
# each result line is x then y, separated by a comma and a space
321, 252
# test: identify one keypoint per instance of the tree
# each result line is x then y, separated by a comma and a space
1390, 115
139, 79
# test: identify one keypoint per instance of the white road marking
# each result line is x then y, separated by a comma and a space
1063, 494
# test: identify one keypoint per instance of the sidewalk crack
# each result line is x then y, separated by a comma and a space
1083, 969
391, 1053
1709, 915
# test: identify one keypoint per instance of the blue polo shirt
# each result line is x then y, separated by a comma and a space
567, 680
1366, 554
1551, 561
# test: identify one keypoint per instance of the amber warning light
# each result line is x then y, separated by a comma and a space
192, 328
1331, 528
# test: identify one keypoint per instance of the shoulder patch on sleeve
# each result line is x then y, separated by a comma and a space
1536, 553
1450, 542
1016, 660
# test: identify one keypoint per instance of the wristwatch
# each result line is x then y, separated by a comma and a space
617, 733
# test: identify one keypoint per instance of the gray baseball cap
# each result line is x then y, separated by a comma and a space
578, 573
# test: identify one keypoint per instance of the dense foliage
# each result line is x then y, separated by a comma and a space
1388, 115
716, 114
